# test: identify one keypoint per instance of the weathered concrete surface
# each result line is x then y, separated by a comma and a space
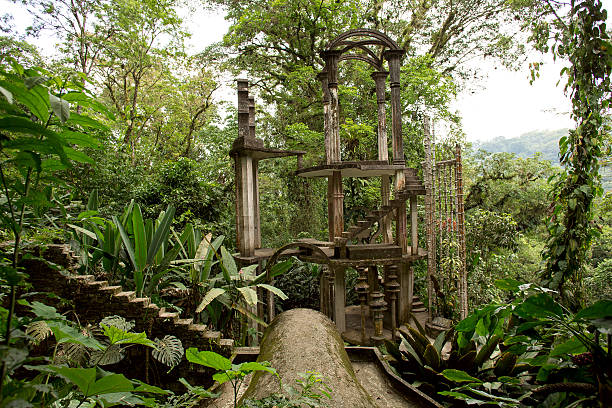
302, 340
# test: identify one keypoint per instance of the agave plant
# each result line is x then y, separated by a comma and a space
148, 248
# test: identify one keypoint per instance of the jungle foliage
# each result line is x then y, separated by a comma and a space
118, 142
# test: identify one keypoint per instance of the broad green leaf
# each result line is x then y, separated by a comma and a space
508, 284
196, 390
83, 378
60, 107
68, 334
459, 376
208, 359
599, 310
469, 400
45, 312
225, 376
209, 297
468, 324
117, 336
80, 139
249, 294
539, 306
144, 387
228, 265
274, 290
571, 346
85, 121
77, 156
110, 384
255, 366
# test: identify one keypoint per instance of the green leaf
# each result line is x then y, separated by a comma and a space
229, 268
117, 336
84, 231
599, 310
7, 94
249, 294
468, 324
200, 391
85, 121
508, 284
140, 240
77, 156
208, 359
67, 334
110, 384
225, 376
126, 241
144, 387
209, 297
571, 346
251, 366
45, 312
31, 82
539, 306
161, 234
80, 139
60, 107
83, 378
459, 376
274, 290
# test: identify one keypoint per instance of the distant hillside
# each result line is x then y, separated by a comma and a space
543, 141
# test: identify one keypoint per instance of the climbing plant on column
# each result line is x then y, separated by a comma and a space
585, 44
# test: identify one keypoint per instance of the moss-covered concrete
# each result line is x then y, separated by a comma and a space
303, 340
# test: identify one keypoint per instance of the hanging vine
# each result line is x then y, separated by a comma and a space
585, 44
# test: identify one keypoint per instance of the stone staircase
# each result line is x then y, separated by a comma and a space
417, 305
94, 299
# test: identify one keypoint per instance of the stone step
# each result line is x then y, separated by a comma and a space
419, 310
97, 284
145, 301
198, 327
82, 278
212, 335
183, 322
167, 315
416, 305
125, 296
112, 290
152, 307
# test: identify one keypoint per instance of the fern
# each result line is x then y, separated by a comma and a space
168, 351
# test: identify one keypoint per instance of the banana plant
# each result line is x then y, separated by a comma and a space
147, 247
198, 258
236, 289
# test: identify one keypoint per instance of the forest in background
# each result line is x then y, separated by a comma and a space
121, 128
545, 142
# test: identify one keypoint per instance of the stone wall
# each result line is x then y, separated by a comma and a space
91, 300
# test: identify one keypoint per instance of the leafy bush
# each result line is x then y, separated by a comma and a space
179, 183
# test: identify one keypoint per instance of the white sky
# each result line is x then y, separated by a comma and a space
503, 104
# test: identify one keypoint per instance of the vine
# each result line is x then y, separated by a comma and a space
584, 42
